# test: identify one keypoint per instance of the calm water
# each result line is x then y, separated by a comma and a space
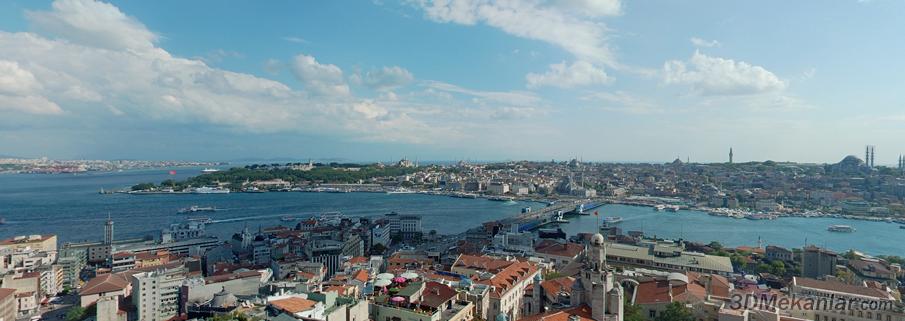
69, 206
871, 237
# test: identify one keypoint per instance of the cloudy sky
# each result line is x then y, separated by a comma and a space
604, 80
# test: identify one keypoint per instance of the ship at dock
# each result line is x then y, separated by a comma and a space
210, 190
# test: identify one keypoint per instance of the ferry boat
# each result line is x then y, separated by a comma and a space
201, 219
195, 208
401, 190
331, 217
841, 228
612, 220
210, 190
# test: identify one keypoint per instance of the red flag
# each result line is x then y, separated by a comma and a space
172, 172
596, 214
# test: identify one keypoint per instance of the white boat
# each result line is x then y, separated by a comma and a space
195, 208
840, 228
287, 219
209, 170
672, 208
401, 191
210, 190
331, 217
612, 220
659, 208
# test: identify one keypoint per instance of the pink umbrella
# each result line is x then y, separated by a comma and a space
397, 299
399, 279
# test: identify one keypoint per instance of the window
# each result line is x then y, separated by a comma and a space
653, 314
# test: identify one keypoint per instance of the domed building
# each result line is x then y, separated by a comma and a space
848, 165
594, 288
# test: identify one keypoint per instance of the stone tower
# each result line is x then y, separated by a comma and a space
595, 286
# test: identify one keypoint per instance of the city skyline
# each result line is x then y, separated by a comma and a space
494, 80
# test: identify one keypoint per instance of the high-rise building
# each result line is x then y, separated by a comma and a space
108, 231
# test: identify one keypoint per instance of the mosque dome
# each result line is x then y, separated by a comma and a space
223, 299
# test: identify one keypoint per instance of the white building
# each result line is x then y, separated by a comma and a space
156, 294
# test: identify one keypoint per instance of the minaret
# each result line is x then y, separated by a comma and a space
108, 230
873, 153
730, 155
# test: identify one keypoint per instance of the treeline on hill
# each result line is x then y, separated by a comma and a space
332, 173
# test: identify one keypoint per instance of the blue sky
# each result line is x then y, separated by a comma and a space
605, 80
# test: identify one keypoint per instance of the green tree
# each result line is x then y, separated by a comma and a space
632, 312
143, 187
76, 313
675, 311
715, 245
778, 267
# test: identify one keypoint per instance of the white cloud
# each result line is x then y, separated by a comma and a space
323, 79
506, 98
580, 73
698, 42
295, 39
714, 76
19, 91
93, 23
112, 67
15, 80
576, 33
593, 8
385, 78
622, 102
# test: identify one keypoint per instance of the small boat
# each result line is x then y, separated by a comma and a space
659, 208
195, 208
841, 228
2, 221
287, 219
209, 170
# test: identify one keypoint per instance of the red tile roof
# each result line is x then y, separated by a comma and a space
840, 287
435, 294
4, 293
293, 304
512, 274
582, 311
105, 283
361, 275
484, 263
564, 250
